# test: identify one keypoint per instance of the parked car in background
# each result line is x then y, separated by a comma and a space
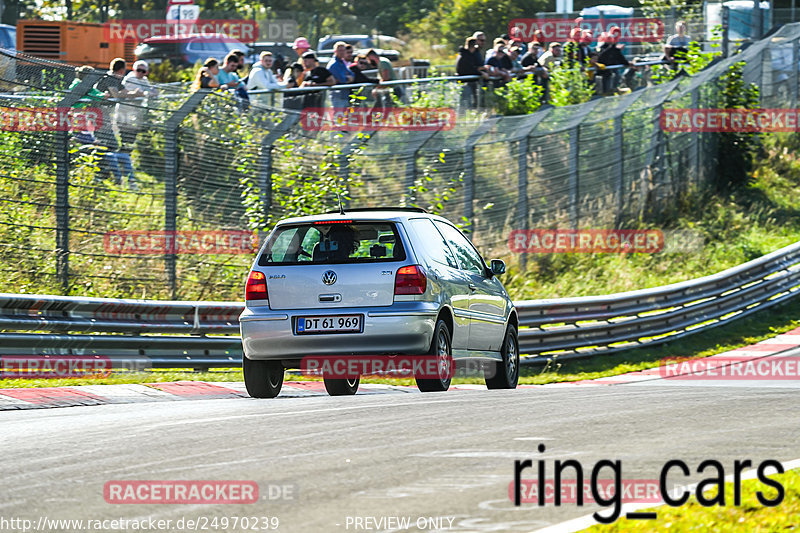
186, 50
385, 45
375, 281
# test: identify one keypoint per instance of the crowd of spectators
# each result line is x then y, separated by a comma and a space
344, 68
601, 58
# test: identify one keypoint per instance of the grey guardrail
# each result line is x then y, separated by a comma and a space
156, 334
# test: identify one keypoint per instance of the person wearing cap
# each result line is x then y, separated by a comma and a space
300, 47
500, 64
315, 76
611, 55
131, 117
551, 57
137, 79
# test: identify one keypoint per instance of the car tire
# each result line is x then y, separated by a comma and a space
441, 346
505, 374
262, 379
341, 387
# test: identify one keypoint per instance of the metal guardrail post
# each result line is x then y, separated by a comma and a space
265, 162
171, 178
62, 182
574, 176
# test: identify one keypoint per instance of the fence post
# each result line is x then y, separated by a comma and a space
62, 182
469, 173
411, 163
796, 65
171, 180
574, 176
698, 153
619, 132
361, 138
265, 162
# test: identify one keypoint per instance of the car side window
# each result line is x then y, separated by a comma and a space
468, 257
432, 242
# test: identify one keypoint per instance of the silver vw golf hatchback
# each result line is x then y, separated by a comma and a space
375, 281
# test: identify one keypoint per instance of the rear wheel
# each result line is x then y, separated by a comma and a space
341, 387
505, 374
441, 347
263, 379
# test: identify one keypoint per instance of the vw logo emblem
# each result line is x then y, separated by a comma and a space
329, 277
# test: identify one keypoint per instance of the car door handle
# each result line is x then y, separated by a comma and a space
473, 287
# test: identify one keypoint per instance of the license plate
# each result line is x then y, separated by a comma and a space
328, 324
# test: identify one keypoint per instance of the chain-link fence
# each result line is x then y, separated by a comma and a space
181, 161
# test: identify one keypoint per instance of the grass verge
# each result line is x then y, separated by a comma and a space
750, 516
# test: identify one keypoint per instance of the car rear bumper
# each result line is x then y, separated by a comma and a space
404, 327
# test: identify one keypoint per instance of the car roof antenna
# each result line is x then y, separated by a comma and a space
341, 207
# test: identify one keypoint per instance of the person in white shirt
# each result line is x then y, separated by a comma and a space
262, 77
130, 116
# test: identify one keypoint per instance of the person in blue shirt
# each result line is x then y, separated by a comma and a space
227, 77
338, 67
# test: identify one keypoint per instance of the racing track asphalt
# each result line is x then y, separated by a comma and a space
401, 455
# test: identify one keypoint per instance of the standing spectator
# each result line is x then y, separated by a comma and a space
585, 44
468, 64
516, 40
338, 67
500, 64
572, 52
480, 37
530, 63
227, 77
206, 77
551, 57
262, 77
491, 52
516, 66
385, 73
300, 47
348, 54
611, 56
131, 117
359, 66
677, 44
315, 76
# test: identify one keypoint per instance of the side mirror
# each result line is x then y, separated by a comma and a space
497, 267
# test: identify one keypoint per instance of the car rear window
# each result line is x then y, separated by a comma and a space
335, 242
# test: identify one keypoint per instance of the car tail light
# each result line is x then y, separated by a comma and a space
410, 280
256, 288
